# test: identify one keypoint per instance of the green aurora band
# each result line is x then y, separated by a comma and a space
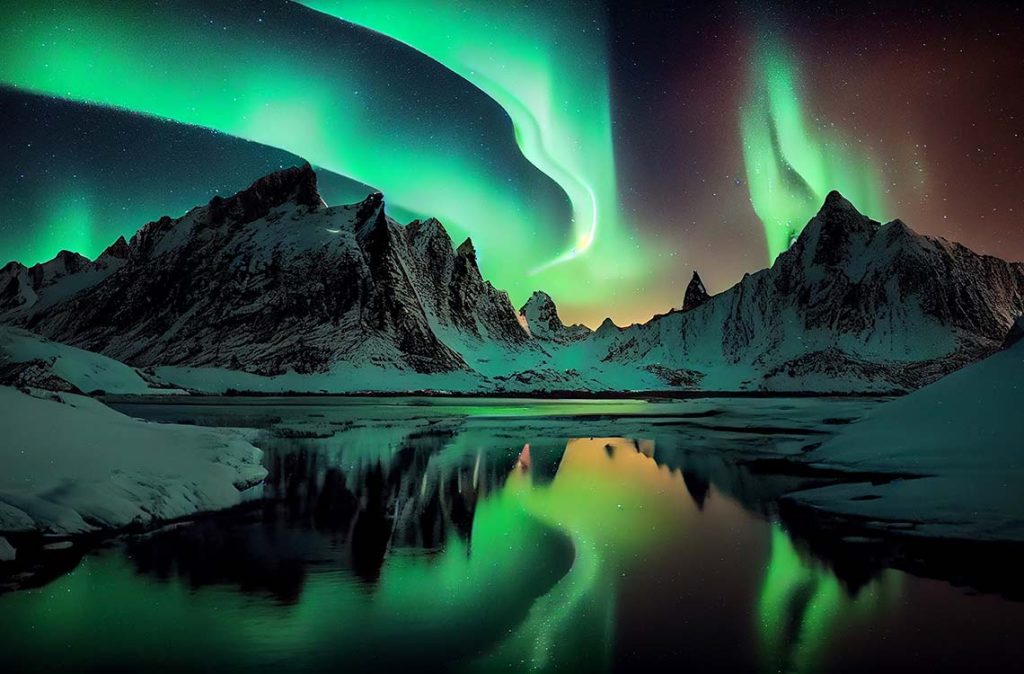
342, 118
539, 65
791, 167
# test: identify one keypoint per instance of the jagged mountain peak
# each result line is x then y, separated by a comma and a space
466, 249
836, 233
838, 210
834, 199
117, 250
372, 205
900, 226
20, 286
70, 258
541, 318
64, 263
538, 298
608, 326
696, 293
371, 222
430, 239
297, 185
430, 228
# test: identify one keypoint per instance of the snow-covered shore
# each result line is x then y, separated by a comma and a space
964, 435
31, 360
72, 465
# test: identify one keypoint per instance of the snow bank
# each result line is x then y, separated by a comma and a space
71, 464
965, 433
84, 370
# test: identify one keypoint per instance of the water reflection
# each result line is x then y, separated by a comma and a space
802, 605
450, 547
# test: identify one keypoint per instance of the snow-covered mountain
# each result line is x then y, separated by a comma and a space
271, 289
853, 305
540, 318
25, 290
271, 280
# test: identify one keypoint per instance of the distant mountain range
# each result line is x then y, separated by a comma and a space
271, 289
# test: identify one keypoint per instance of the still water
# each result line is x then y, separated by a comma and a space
482, 536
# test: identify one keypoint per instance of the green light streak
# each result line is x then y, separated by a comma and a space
544, 66
339, 109
791, 166
339, 116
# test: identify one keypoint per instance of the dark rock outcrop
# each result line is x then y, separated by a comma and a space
696, 293
1015, 334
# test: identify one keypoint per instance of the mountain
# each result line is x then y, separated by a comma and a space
852, 305
31, 289
272, 280
271, 289
540, 317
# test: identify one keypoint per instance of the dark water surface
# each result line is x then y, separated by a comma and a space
420, 535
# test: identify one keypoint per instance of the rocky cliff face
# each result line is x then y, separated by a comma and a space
271, 280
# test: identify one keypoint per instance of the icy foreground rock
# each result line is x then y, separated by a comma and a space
72, 465
964, 434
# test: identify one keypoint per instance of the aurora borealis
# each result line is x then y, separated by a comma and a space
598, 151
552, 82
789, 171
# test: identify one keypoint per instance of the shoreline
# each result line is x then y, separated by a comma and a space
160, 398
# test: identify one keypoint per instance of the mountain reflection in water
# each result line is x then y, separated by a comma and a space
463, 551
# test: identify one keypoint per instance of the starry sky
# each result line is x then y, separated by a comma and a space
600, 151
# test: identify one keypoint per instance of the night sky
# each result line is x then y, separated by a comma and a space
600, 152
